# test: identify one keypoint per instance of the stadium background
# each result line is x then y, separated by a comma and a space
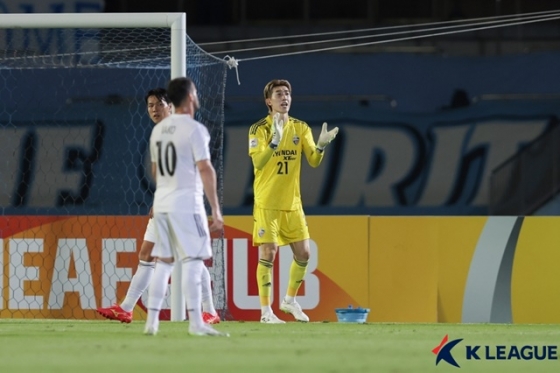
423, 125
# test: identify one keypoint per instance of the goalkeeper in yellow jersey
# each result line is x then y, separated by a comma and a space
276, 146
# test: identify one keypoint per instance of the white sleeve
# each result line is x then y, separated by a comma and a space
200, 140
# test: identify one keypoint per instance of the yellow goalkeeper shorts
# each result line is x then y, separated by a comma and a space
279, 226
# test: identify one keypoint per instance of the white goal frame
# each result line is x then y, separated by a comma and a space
175, 21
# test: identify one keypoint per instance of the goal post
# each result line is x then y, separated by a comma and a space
179, 46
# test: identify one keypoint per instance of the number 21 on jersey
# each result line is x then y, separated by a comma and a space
282, 168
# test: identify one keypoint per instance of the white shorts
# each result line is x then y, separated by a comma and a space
150, 234
182, 236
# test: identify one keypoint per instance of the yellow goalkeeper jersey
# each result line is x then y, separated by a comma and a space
277, 182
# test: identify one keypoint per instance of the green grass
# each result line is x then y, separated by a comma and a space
104, 346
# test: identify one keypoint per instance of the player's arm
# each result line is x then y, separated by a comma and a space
263, 152
153, 154
201, 152
261, 147
154, 175
154, 171
208, 176
314, 153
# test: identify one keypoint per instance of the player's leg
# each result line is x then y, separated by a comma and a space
164, 266
142, 277
191, 242
267, 253
192, 288
264, 233
298, 268
297, 274
140, 280
294, 230
209, 314
158, 288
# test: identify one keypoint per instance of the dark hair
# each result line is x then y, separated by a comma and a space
160, 93
178, 89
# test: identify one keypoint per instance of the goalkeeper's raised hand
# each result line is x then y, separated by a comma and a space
277, 130
326, 137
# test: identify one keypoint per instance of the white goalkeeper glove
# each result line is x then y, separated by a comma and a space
277, 130
326, 137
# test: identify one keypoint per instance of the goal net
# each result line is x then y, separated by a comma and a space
75, 186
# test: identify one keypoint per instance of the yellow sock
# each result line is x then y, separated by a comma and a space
264, 281
297, 273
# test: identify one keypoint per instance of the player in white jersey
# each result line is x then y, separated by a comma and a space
159, 108
181, 165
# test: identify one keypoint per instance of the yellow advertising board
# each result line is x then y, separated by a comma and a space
419, 267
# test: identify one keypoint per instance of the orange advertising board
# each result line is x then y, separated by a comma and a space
65, 267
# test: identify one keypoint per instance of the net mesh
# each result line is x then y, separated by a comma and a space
74, 156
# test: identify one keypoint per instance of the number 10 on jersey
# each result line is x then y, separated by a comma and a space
167, 156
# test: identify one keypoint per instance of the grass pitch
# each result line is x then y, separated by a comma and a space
105, 346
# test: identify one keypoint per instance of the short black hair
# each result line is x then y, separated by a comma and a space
160, 93
178, 89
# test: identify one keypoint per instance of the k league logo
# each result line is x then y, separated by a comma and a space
497, 352
443, 351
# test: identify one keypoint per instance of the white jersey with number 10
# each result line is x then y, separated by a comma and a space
176, 144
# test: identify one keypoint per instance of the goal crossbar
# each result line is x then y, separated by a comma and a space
92, 20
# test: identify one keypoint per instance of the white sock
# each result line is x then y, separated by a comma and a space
266, 309
289, 299
158, 286
153, 318
192, 288
207, 301
138, 285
